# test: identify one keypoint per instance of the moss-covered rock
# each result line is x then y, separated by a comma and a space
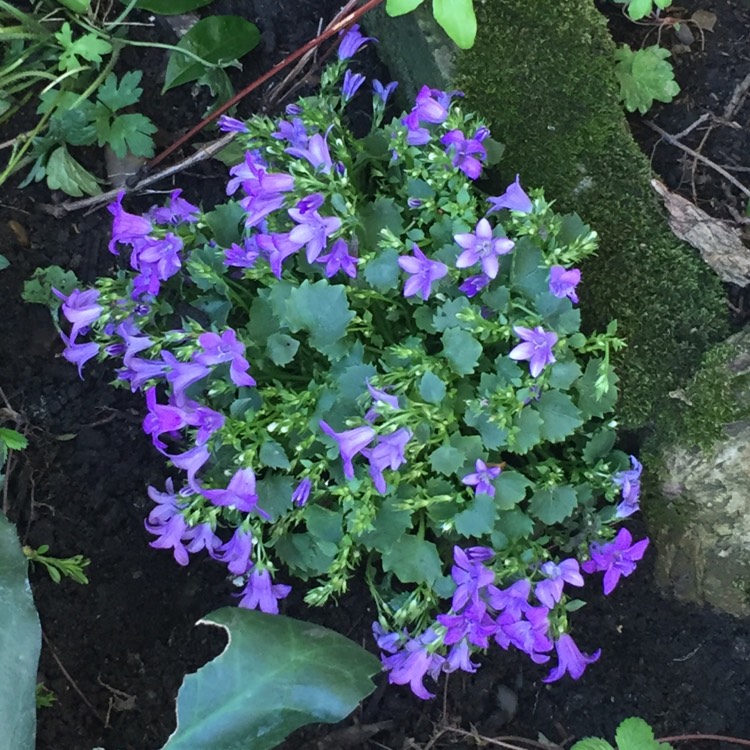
541, 73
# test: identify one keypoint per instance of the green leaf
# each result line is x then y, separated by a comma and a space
272, 454
38, 289
401, 7
564, 374
446, 316
383, 271
380, 214
599, 445
457, 19
66, 174
431, 388
638, 9
560, 416
447, 460
276, 674
4, 262
130, 133
224, 222
478, 519
72, 126
592, 743
215, 39
527, 432
493, 437
275, 494
388, 527
413, 560
305, 555
514, 524
20, 643
89, 47
644, 75
530, 275
281, 348
636, 734
170, 7
461, 350
322, 310
324, 524
553, 504
588, 402
510, 489
77, 6
116, 96
13, 439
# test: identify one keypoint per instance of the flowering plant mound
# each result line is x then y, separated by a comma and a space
358, 362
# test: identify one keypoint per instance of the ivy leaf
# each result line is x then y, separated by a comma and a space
479, 518
66, 174
560, 416
553, 504
281, 348
322, 310
461, 350
89, 47
116, 96
217, 40
431, 388
413, 560
644, 76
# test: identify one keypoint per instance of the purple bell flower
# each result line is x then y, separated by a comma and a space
536, 347
514, 198
236, 552
424, 272
570, 659
563, 282
482, 478
352, 41
616, 558
261, 593
239, 493
350, 443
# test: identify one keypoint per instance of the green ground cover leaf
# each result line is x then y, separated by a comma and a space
644, 76
479, 517
553, 504
276, 674
461, 350
20, 643
560, 416
413, 560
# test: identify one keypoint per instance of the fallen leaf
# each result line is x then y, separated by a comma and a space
719, 242
704, 19
21, 235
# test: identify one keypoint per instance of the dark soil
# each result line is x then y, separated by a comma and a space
117, 649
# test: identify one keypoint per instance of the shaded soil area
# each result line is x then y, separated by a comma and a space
116, 650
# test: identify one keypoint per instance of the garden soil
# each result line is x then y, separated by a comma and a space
115, 650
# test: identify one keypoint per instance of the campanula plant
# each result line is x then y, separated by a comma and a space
359, 364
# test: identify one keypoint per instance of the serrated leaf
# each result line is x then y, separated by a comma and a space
479, 517
66, 174
225, 224
290, 673
635, 734
447, 460
324, 524
461, 350
514, 524
382, 213
114, 95
171, 7
388, 526
215, 39
528, 425
413, 560
89, 47
446, 316
38, 289
553, 504
382, 272
431, 388
304, 555
20, 644
592, 743
638, 9
131, 133
322, 310
560, 416
457, 19
588, 403
275, 494
644, 76
272, 454
13, 439
599, 445
281, 348
510, 489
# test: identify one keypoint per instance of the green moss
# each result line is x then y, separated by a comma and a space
541, 74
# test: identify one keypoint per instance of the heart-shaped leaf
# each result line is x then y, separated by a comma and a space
276, 674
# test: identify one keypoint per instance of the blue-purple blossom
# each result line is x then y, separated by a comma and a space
161, 418
293, 131
629, 483
316, 152
182, 375
240, 493
384, 92
236, 552
312, 231
474, 284
482, 477
199, 537
563, 282
536, 347
338, 259
529, 635
352, 83
482, 247
352, 41
276, 248
301, 492
265, 190
424, 272
459, 657
231, 125
514, 199
242, 256
191, 462
133, 340
513, 601
178, 211
139, 371
225, 348
431, 106
473, 624
167, 522
126, 227
616, 558
387, 454
466, 153
470, 575
550, 590
570, 659
261, 593
388, 642
413, 662
350, 443
79, 354
80, 309
379, 397
157, 260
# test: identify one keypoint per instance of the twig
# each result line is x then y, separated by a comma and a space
675, 142
693, 125
67, 676
717, 737
502, 742
738, 95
